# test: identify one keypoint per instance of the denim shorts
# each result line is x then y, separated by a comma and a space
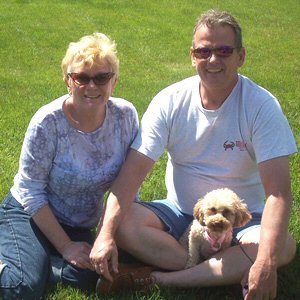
176, 222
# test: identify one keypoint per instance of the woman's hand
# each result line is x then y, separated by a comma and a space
77, 253
104, 256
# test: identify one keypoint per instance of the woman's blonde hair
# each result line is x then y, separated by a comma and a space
95, 49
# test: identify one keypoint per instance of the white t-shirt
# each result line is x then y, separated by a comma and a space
214, 149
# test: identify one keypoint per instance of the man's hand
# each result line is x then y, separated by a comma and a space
261, 281
77, 253
104, 256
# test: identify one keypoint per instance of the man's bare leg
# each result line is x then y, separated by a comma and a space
225, 268
143, 235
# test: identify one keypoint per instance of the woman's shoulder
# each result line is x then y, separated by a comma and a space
120, 104
123, 111
51, 110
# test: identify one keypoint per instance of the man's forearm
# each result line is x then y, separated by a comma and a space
274, 228
124, 190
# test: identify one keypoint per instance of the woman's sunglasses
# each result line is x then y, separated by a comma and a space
98, 79
205, 53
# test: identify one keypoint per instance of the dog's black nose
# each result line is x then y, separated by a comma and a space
219, 225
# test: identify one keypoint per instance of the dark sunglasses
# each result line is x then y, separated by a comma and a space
98, 79
205, 53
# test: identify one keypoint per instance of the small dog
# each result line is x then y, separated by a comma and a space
215, 216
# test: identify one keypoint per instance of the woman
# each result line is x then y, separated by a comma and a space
72, 152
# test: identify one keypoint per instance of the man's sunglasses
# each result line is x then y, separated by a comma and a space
98, 79
205, 53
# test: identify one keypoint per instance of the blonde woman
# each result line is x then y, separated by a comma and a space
72, 152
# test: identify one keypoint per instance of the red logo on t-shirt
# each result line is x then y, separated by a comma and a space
241, 145
230, 145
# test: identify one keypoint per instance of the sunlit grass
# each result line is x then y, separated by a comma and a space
153, 40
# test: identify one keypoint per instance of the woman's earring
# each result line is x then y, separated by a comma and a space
69, 91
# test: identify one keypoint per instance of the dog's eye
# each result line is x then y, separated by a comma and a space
213, 210
226, 212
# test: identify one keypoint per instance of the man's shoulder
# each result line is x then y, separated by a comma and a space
184, 84
255, 99
250, 86
180, 89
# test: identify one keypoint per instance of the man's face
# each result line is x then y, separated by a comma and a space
217, 72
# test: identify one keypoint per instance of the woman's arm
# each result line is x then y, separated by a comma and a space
77, 253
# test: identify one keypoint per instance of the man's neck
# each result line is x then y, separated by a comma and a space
213, 98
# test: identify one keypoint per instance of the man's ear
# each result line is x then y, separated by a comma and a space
193, 58
242, 55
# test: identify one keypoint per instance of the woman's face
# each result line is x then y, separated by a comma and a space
88, 92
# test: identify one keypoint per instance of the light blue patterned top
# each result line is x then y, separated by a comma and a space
69, 169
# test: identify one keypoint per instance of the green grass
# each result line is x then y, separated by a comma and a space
153, 40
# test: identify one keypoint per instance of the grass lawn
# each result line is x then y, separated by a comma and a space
154, 38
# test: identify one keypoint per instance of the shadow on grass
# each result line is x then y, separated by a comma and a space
289, 279
288, 286
288, 289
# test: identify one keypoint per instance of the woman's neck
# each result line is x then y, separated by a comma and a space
85, 120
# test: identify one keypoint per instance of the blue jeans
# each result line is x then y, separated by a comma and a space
29, 262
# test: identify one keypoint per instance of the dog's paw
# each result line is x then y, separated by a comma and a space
190, 263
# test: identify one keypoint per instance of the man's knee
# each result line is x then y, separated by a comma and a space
126, 230
134, 224
288, 252
123, 233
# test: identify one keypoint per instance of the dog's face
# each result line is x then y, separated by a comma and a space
221, 210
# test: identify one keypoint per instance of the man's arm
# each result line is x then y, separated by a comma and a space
104, 253
274, 228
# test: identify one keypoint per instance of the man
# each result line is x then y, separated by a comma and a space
220, 130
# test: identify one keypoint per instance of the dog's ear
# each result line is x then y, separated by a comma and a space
242, 215
198, 212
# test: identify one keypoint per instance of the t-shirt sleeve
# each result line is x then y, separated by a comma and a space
35, 163
152, 137
272, 134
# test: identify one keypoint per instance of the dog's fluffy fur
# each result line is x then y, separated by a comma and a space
215, 216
